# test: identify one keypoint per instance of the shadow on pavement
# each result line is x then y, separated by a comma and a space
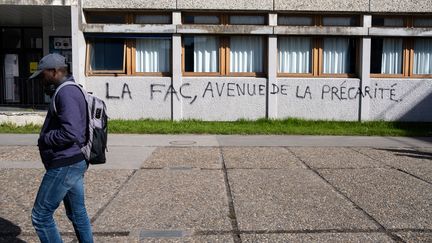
9, 232
410, 153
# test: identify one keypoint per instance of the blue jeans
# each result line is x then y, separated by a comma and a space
62, 184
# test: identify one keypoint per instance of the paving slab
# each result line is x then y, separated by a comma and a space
415, 237
30, 239
320, 141
193, 238
334, 157
19, 188
125, 157
19, 153
318, 237
393, 198
186, 157
169, 200
259, 157
295, 199
415, 161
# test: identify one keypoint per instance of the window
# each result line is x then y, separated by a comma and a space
307, 56
201, 54
387, 56
146, 55
295, 55
381, 21
225, 19
107, 55
340, 21
318, 20
153, 19
401, 57
422, 57
296, 20
96, 17
152, 55
246, 54
422, 22
106, 18
339, 55
217, 55
247, 20
201, 19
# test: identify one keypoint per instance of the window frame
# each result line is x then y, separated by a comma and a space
132, 17
129, 17
318, 62
220, 15
224, 18
317, 20
90, 72
224, 60
129, 62
408, 50
108, 13
406, 21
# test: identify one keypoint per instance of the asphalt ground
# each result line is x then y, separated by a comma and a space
198, 188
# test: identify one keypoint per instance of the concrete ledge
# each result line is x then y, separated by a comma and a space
225, 29
22, 118
226, 4
129, 28
129, 4
38, 2
420, 32
322, 5
306, 30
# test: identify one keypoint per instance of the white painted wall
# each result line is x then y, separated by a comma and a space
218, 99
323, 99
139, 104
402, 99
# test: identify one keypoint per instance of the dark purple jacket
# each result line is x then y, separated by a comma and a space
63, 133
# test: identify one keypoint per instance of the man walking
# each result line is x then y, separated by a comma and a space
62, 135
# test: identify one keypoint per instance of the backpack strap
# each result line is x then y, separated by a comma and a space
58, 90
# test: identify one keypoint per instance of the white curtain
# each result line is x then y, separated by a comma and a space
153, 19
423, 56
336, 55
391, 60
206, 54
247, 20
295, 54
153, 55
246, 54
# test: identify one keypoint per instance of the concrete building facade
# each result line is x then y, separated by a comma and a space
229, 60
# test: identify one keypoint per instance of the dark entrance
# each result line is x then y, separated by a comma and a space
21, 49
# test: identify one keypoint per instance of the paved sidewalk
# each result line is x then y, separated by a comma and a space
188, 188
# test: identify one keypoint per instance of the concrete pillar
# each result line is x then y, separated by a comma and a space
365, 56
272, 70
78, 44
176, 104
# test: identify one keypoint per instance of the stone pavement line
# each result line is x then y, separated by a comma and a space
394, 168
380, 226
233, 216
